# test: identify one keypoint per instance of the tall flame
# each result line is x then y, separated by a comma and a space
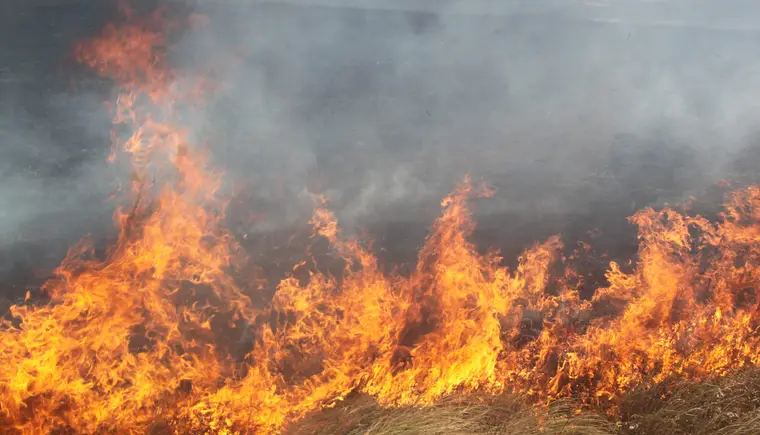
138, 336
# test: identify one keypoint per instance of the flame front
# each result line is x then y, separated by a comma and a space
138, 336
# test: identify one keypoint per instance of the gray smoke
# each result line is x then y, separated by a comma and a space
384, 105
54, 136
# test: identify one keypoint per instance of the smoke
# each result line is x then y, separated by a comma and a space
54, 137
382, 106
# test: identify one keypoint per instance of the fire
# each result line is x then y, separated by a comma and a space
137, 337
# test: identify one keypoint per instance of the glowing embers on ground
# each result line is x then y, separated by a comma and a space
138, 337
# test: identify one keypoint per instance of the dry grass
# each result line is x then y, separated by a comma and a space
454, 416
725, 406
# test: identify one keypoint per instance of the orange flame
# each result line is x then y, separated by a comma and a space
137, 337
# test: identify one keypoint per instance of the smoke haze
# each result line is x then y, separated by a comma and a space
567, 108
384, 109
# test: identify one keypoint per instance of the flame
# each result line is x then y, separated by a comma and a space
139, 336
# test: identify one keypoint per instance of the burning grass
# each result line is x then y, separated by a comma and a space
138, 340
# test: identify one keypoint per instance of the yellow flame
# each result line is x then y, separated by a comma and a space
137, 337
